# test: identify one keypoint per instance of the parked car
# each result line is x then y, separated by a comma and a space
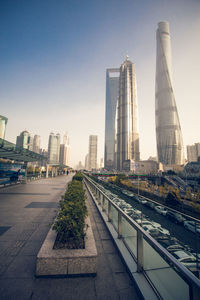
175, 247
186, 258
150, 204
176, 217
161, 210
190, 225
163, 230
155, 224
140, 199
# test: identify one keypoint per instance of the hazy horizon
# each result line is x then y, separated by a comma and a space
54, 58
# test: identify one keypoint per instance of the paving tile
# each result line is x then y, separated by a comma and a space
21, 267
65, 288
15, 289
116, 263
108, 246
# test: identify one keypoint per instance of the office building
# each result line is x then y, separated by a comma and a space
54, 148
25, 140
92, 158
87, 162
127, 117
36, 143
193, 152
112, 94
3, 123
168, 130
64, 151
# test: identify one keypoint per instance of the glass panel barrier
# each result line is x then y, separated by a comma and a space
129, 235
166, 280
114, 217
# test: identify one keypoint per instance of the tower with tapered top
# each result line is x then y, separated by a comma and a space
168, 131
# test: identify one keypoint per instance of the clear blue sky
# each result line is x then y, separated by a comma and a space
54, 54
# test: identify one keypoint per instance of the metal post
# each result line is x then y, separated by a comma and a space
47, 171
103, 204
109, 211
139, 251
119, 225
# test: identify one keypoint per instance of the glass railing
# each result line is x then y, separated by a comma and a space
168, 277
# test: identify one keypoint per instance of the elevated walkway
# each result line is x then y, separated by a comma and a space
26, 214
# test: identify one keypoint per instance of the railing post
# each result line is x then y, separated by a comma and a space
99, 197
194, 293
103, 203
119, 225
139, 251
109, 211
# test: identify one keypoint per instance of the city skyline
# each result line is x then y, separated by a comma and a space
54, 58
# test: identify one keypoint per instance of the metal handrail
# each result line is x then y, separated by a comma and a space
189, 277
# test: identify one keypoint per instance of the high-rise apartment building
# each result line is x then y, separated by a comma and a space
3, 122
168, 130
54, 148
193, 152
92, 157
112, 94
127, 117
36, 143
24, 140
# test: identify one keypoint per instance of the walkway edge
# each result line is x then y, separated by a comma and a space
143, 287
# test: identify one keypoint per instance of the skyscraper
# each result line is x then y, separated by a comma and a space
112, 93
3, 122
92, 158
36, 143
127, 117
54, 148
24, 140
193, 152
64, 151
168, 131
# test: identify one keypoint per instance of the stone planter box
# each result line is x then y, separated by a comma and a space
67, 262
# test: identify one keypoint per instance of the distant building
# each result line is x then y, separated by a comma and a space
80, 166
127, 117
25, 140
112, 94
65, 151
168, 130
193, 152
36, 143
3, 122
101, 163
92, 158
87, 162
54, 148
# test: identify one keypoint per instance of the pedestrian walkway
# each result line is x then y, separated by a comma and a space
26, 214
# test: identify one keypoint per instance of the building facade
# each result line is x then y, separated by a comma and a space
3, 123
112, 94
65, 151
168, 130
54, 148
127, 135
193, 152
36, 143
25, 140
92, 156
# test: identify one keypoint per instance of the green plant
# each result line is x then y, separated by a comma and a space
70, 223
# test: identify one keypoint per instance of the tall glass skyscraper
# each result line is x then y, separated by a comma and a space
112, 94
168, 131
127, 117
3, 122
92, 156
54, 148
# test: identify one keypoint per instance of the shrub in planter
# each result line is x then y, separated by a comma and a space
70, 223
78, 176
